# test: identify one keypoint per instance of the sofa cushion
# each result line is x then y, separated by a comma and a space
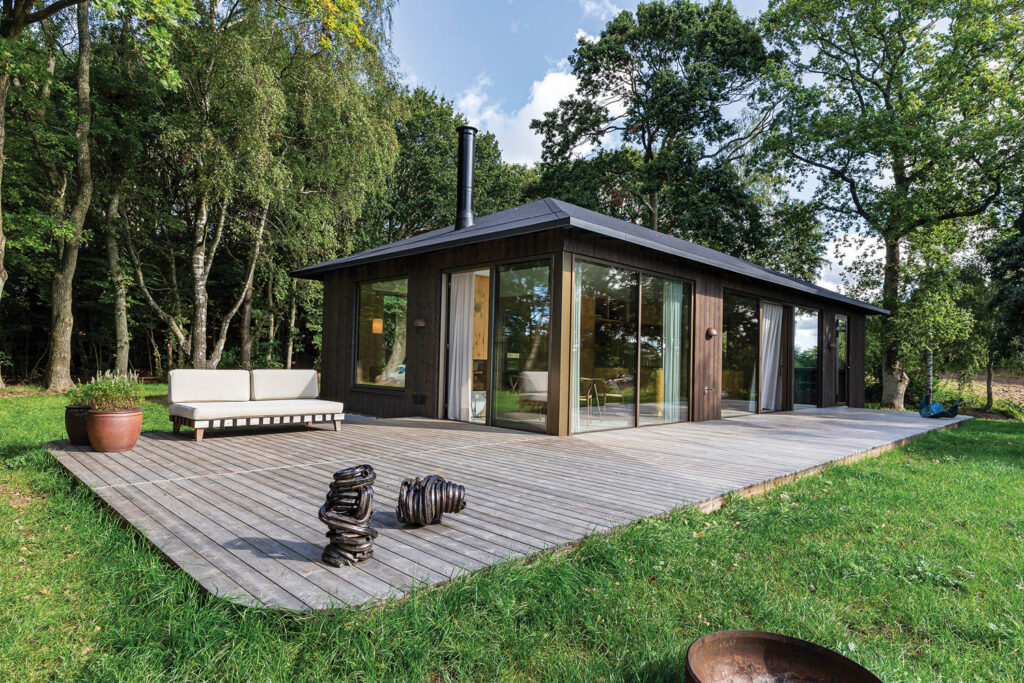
227, 409
269, 385
184, 386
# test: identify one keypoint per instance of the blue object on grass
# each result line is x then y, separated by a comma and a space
930, 409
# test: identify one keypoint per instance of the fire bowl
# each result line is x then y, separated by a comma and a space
760, 657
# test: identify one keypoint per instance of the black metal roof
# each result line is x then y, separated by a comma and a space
548, 213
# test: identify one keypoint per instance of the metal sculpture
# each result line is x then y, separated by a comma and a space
347, 514
424, 501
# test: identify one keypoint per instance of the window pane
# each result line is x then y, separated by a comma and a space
664, 350
842, 360
380, 347
805, 358
605, 347
739, 355
522, 315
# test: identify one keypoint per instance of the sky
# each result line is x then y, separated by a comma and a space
503, 62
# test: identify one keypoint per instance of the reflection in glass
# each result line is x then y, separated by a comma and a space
604, 347
739, 355
664, 350
842, 360
522, 321
805, 358
380, 344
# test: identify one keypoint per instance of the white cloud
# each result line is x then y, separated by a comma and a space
518, 143
580, 33
600, 9
516, 25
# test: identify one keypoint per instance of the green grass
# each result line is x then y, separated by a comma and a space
910, 563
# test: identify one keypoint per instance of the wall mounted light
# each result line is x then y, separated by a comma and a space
377, 326
832, 344
711, 333
419, 322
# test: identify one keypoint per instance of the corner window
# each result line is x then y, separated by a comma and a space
380, 345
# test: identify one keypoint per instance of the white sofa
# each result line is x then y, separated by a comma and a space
204, 399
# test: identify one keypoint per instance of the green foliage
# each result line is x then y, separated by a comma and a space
645, 137
110, 392
947, 392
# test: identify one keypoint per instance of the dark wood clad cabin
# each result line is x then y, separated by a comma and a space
552, 317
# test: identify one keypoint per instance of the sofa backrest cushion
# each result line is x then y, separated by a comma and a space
271, 385
191, 386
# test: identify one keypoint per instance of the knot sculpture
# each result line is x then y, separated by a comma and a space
347, 513
424, 501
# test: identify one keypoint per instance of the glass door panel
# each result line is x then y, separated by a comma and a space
842, 360
605, 347
522, 321
664, 389
805, 359
469, 296
740, 343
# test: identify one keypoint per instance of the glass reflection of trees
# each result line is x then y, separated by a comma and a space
805, 358
740, 348
381, 333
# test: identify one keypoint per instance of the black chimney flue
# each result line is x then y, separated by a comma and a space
464, 201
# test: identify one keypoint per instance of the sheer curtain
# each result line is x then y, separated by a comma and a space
672, 320
574, 381
460, 345
771, 355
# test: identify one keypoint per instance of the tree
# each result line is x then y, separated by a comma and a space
647, 138
419, 193
651, 93
1005, 260
908, 114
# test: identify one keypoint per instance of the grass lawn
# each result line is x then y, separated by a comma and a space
911, 564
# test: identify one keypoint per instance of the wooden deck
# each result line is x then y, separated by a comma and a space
238, 511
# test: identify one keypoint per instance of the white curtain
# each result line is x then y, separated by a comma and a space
460, 346
574, 381
771, 354
672, 320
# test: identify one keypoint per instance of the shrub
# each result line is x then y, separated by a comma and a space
77, 395
110, 392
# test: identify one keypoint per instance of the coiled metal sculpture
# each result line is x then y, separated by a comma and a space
347, 514
424, 501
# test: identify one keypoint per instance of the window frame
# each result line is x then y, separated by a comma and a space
357, 308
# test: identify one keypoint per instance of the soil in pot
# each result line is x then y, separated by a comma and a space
75, 422
113, 432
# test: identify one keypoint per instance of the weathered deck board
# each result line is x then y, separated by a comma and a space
238, 510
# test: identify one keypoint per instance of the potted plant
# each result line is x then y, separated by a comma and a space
115, 419
76, 415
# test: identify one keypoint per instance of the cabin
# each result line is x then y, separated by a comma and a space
550, 317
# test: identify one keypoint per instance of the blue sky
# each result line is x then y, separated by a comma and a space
503, 62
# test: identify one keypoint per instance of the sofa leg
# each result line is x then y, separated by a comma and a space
309, 424
199, 434
337, 425
177, 427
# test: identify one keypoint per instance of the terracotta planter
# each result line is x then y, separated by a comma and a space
113, 432
75, 419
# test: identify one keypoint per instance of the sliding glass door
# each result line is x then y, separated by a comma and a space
631, 348
469, 296
522, 324
805, 358
664, 350
604, 341
740, 344
842, 360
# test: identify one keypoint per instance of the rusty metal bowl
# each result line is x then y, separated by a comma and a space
760, 657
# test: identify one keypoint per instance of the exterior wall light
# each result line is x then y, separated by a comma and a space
711, 333
377, 325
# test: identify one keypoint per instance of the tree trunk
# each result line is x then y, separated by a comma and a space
291, 330
931, 371
5, 85
58, 371
245, 355
271, 323
200, 298
894, 379
988, 381
117, 282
